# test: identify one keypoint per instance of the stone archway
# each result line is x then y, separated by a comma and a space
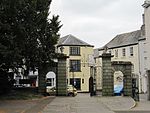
108, 79
59, 68
125, 68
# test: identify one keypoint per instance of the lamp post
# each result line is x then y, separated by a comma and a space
62, 49
73, 69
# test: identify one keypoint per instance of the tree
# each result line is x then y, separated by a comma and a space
47, 50
28, 37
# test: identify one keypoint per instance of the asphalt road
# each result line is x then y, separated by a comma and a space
24, 106
132, 112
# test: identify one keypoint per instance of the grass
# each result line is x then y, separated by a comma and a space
20, 95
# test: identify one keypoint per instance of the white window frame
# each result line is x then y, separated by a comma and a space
131, 51
124, 52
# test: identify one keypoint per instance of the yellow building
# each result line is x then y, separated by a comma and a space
78, 64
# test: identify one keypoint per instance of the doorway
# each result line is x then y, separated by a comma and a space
76, 82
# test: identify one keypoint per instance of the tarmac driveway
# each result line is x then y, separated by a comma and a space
24, 106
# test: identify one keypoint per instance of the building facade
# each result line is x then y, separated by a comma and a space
146, 6
78, 63
98, 67
129, 47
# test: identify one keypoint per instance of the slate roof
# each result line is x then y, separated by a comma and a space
96, 53
71, 40
146, 3
125, 39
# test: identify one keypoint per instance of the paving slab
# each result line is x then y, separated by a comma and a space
82, 103
118, 102
142, 106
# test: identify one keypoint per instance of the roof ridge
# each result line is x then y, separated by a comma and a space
70, 39
124, 39
128, 32
81, 40
66, 39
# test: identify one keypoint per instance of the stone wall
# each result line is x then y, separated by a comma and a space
61, 79
107, 76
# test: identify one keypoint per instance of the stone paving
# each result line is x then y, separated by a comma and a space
118, 102
83, 103
143, 104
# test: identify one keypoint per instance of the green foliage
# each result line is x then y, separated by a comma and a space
26, 32
27, 36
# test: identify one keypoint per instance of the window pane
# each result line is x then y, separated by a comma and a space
123, 52
82, 81
74, 50
116, 52
75, 65
131, 51
49, 82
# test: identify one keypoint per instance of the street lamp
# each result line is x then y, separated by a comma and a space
62, 49
73, 69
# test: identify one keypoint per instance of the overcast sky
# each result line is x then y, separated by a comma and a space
98, 21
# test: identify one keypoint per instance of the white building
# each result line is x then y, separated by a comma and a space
129, 47
98, 66
146, 6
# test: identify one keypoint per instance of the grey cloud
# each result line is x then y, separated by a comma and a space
85, 6
98, 21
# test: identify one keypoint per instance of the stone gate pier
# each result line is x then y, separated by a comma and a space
109, 69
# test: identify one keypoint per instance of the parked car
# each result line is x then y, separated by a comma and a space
51, 90
71, 90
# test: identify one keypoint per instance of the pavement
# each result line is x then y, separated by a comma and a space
118, 103
83, 103
143, 104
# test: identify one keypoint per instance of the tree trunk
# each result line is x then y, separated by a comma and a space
42, 78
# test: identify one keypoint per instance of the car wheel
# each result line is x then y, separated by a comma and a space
71, 94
